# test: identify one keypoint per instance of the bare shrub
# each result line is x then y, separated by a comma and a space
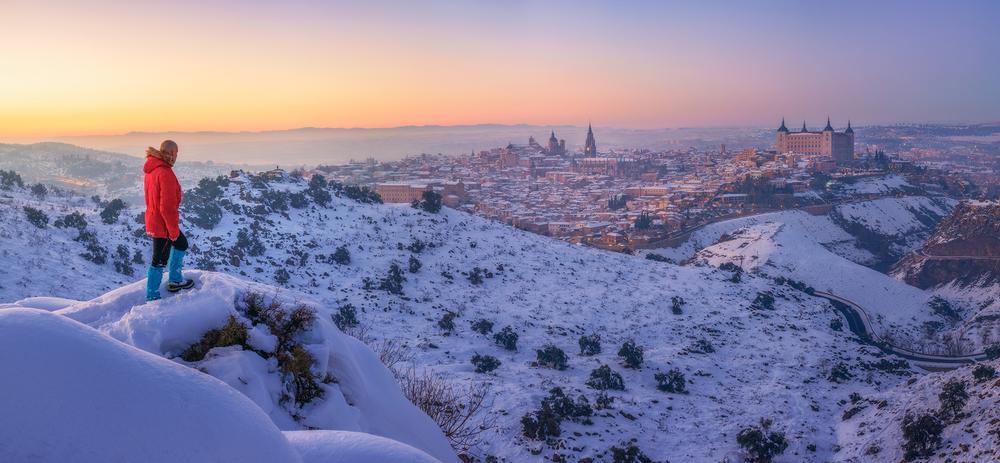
462, 412
391, 353
956, 345
361, 332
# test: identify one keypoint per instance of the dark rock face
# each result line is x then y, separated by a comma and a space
965, 249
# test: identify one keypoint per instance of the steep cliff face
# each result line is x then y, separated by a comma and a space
964, 250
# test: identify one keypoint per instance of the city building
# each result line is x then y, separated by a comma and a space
837, 145
613, 167
400, 192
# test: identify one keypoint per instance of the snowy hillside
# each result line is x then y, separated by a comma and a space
954, 417
880, 185
817, 251
711, 353
92, 171
783, 245
894, 226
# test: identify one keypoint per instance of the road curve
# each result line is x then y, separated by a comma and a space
860, 324
921, 253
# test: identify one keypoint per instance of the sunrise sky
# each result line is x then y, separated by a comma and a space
70, 68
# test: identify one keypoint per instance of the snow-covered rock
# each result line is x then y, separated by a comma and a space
359, 393
71, 393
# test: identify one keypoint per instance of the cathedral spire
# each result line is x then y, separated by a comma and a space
590, 147
804, 127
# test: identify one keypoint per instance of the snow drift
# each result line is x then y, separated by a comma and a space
352, 447
73, 394
351, 390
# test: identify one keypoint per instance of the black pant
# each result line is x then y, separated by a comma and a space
162, 246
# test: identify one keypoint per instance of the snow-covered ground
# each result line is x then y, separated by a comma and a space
740, 363
359, 393
871, 430
898, 216
818, 251
879, 185
818, 229
903, 222
352, 447
91, 372
791, 245
71, 393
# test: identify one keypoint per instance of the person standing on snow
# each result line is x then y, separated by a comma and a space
163, 202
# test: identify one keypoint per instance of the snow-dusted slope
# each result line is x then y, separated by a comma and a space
741, 361
92, 171
892, 227
879, 185
871, 429
817, 251
818, 229
897, 216
69, 393
49, 261
791, 244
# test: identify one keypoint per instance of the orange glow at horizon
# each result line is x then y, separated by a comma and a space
109, 68
111, 71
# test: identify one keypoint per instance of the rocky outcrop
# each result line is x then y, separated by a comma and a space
964, 249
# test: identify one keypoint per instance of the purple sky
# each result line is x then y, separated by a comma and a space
102, 67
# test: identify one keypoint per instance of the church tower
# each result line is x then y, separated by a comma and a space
554, 147
590, 148
781, 141
826, 142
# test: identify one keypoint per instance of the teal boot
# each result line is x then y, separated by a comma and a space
154, 275
176, 280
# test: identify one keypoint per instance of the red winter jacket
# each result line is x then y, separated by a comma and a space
163, 199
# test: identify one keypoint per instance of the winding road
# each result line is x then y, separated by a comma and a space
921, 253
860, 324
